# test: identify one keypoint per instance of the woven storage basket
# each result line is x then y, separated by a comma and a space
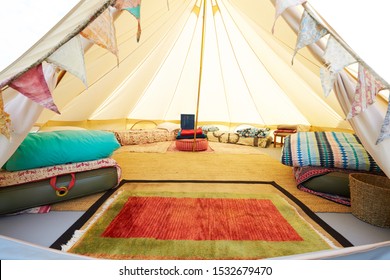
370, 198
186, 144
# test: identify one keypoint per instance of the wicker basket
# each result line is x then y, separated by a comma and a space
187, 144
370, 198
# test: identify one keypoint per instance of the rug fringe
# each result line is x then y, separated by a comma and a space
78, 234
325, 238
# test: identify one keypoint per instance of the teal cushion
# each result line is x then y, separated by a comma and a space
61, 147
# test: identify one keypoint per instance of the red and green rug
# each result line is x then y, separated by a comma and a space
201, 220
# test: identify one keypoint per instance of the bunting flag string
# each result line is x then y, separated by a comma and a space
32, 84
366, 91
336, 57
101, 32
5, 121
282, 5
310, 31
134, 8
70, 57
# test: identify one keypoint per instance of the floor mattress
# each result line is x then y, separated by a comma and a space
44, 186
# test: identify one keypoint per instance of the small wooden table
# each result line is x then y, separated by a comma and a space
281, 135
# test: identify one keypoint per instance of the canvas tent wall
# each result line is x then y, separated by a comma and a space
247, 72
121, 93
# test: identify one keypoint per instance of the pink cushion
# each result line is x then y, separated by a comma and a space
186, 144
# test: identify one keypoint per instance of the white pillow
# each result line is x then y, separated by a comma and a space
58, 128
169, 126
34, 129
243, 126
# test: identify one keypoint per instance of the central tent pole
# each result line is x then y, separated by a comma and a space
200, 74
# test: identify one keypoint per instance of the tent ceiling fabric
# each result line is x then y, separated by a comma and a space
247, 72
247, 75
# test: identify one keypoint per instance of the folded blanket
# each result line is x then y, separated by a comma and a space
179, 136
329, 183
285, 131
333, 197
13, 178
337, 191
185, 132
327, 149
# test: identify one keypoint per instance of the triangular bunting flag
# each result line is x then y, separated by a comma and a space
139, 31
5, 82
327, 80
102, 32
385, 129
366, 91
282, 5
70, 57
310, 31
32, 84
134, 8
5, 121
337, 56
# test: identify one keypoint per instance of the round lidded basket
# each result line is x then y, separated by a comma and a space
370, 198
201, 144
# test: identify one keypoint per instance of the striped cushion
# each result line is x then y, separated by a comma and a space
327, 149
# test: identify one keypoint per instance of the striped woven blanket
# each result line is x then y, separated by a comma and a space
327, 149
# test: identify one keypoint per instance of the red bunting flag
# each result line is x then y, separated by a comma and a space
32, 84
366, 91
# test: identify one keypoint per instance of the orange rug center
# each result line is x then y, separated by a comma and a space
169, 218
